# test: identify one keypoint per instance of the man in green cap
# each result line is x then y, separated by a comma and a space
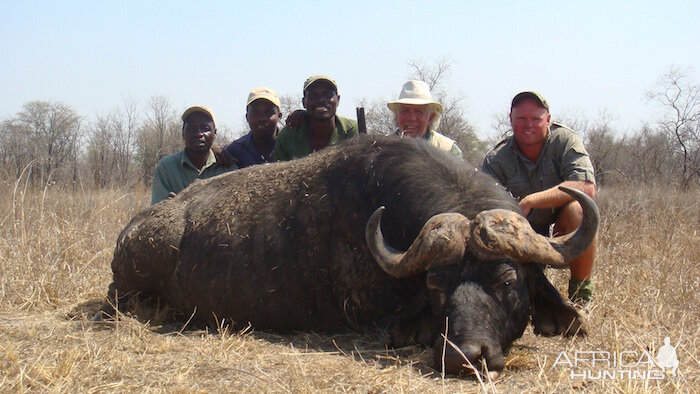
175, 172
531, 163
320, 128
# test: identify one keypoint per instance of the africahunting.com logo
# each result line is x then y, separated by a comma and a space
627, 365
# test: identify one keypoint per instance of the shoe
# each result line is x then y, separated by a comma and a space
581, 291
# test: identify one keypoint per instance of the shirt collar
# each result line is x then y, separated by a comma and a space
428, 134
516, 149
211, 161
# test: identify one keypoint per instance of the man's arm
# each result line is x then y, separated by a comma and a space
553, 197
488, 167
224, 155
297, 119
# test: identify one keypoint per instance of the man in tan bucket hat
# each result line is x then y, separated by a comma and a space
417, 115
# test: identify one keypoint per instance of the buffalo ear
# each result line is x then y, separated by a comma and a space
440, 282
551, 315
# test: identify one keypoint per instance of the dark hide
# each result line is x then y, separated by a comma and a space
490, 306
282, 246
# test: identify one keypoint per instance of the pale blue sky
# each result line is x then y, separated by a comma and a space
584, 56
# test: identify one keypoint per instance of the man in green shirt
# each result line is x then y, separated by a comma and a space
532, 163
175, 172
417, 115
321, 128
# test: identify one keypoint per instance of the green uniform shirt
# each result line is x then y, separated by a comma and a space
175, 172
294, 143
563, 158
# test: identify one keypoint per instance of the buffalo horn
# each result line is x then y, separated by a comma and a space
498, 233
440, 242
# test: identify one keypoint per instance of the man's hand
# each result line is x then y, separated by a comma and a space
296, 119
553, 197
223, 158
526, 204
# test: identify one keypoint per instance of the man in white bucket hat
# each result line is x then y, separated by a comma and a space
417, 115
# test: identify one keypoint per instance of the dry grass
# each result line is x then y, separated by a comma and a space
56, 246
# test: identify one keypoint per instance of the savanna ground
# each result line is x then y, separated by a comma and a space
55, 251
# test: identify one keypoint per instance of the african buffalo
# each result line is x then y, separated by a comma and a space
304, 245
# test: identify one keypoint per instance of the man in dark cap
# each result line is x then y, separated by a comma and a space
531, 163
321, 127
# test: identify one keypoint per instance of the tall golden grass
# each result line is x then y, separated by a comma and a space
55, 251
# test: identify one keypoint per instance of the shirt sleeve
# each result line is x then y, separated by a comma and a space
160, 188
353, 131
489, 168
230, 149
576, 164
455, 151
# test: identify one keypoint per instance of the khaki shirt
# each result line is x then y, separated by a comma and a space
440, 141
563, 158
445, 143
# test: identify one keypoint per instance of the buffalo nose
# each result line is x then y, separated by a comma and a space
458, 362
472, 351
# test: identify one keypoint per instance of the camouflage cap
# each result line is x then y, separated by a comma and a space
315, 78
530, 94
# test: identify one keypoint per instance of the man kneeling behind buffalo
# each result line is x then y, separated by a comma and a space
175, 172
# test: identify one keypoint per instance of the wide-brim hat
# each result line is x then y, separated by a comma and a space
264, 93
415, 93
198, 108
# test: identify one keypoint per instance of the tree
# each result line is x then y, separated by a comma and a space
378, 118
653, 158
124, 123
101, 159
48, 132
159, 135
679, 97
453, 122
110, 146
500, 123
603, 147
289, 104
14, 148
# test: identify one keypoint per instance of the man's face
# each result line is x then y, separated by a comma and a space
413, 120
530, 123
198, 132
262, 117
321, 100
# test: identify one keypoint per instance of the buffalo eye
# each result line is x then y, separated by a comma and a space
507, 278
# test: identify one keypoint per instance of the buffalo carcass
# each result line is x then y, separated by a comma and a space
304, 245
